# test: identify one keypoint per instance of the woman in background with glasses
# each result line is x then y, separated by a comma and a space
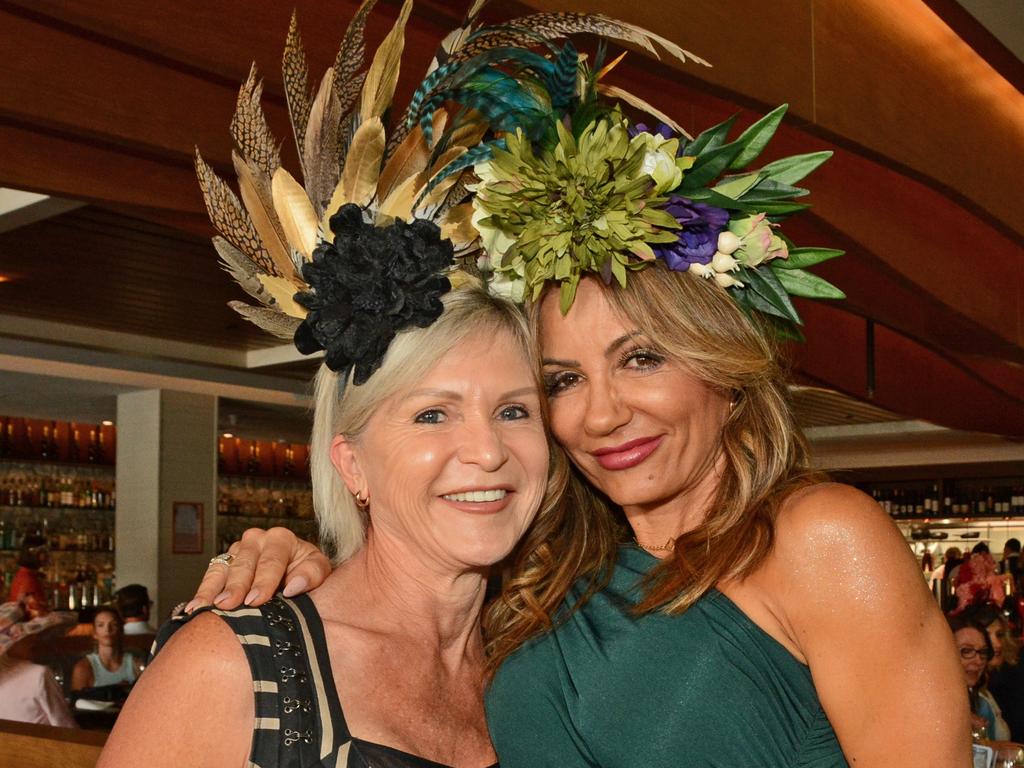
975, 650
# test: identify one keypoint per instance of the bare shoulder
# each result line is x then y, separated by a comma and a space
202, 662
832, 534
826, 519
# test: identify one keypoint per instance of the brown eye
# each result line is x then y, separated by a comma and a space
642, 359
556, 383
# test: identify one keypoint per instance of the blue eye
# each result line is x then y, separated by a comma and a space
513, 413
432, 416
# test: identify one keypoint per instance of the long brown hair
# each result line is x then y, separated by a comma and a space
763, 454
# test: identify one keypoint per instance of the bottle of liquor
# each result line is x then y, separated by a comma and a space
93, 450
74, 450
44, 445
252, 465
54, 442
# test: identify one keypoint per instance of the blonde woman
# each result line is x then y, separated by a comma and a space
426, 476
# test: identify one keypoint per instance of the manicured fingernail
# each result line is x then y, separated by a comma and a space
192, 605
253, 594
222, 596
295, 586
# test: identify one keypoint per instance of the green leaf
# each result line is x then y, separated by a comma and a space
567, 294
800, 283
801, 258
619, 271
709, 196
756, 137
708, 166
790, 170
784, 329
778, 208
754, 301
711, 138
736, 186
768, 287
766, 190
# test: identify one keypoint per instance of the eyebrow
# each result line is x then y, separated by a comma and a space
608, 350
451, 394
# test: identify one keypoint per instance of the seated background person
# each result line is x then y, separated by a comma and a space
28, 586
109, 664
134, 604
28, 692
976, 651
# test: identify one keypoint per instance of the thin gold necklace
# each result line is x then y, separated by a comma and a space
668, 546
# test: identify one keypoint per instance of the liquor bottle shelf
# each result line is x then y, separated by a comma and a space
35, 508
66, 551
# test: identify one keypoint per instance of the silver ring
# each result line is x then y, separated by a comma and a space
222, 559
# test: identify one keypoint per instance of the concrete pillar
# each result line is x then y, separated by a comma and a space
166, 453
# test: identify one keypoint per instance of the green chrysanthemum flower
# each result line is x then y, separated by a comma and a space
588, 205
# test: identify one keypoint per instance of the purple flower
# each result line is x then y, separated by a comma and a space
698, 238
663, 130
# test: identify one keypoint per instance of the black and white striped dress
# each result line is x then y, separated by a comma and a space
299, 722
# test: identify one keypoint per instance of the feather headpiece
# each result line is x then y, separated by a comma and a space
505, 117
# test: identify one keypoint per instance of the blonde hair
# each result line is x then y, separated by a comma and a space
764, 459
341, 408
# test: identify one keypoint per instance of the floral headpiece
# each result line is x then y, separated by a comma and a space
507, 163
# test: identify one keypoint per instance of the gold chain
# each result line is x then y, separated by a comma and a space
668, 546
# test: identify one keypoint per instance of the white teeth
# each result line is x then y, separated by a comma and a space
477, 496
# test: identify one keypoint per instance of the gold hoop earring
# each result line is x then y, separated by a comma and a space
363, 502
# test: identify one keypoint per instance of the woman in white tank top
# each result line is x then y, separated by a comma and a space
108, 664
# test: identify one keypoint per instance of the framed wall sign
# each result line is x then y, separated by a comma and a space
187, 531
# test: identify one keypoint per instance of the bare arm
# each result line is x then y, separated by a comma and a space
81, 675
880, 652
263, 559
169, 721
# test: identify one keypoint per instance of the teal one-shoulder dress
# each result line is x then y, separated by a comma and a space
705, 689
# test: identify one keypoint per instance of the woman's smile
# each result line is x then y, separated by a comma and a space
480, 500
627, 455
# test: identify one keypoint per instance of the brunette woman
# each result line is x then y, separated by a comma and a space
109, 664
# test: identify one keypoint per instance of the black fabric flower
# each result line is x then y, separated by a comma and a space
368, 285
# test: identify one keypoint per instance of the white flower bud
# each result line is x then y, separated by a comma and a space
701, 270
727, 281
728, 242
722, 262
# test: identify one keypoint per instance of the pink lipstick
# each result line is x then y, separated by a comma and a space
627, 455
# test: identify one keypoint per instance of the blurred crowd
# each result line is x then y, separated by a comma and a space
45, 677
985, 610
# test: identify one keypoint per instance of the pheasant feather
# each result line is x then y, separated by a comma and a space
272, 321
258, 201
358, 182
410, 158
319, 150
382, 77
295, 74
638, 103
250, 130
242, 269
295, 212
230, 218
349, 61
